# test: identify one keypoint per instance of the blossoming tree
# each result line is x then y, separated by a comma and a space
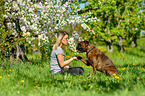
34, 23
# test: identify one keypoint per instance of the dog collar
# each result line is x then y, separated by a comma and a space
89, 51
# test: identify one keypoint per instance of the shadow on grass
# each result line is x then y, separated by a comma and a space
142, 49
136, 52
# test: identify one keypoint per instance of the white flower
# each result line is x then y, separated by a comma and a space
56, 27
71, 40
15, 6
84, 25
9, 0
5, 16
23, 28
38, 43
28, 33
30, 10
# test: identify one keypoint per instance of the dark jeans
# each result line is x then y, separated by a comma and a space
73, 71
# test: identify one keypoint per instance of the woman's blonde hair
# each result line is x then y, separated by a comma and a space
60, 35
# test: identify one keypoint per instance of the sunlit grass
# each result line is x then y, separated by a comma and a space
24, 79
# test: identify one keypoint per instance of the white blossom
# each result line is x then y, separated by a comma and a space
39, 19
23, 28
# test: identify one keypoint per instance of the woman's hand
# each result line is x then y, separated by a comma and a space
66, 67
75, 58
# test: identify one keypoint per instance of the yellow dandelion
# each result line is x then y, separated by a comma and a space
83, 66
96, 85
0, 76
89, 85
35, 86
116, 77
139, 58
91, 67
9, 70
17, 82
134, 64
87, 67
124, 48
88, 77
46, 65
105, 49
36, 82
22, 80
67, 56
84, 80
142, 68
114, 81
5, 70
8, 75
99, 47
123, 68
114, 74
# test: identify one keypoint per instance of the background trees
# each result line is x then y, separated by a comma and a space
30, 25
120, 22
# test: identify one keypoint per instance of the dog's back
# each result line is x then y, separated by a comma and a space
104, 63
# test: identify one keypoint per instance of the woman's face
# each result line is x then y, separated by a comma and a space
65, 40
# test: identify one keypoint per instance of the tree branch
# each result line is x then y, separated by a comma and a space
83, 11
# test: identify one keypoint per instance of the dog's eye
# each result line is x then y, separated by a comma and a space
80, 44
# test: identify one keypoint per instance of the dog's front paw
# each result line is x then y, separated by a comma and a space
79, 57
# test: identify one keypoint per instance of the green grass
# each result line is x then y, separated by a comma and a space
24, 79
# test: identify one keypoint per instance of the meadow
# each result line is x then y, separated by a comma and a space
24, 79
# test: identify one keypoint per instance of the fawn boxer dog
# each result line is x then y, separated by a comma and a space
96, 58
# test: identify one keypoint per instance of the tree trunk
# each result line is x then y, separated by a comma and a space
134, 42
109, 46
120, 42
21, 52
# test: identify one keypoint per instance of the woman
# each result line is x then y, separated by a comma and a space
58, 62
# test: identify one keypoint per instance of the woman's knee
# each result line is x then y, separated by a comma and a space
81, 71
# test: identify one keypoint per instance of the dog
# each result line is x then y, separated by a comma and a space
96, 58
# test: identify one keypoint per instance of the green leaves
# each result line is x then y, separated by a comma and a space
117, 18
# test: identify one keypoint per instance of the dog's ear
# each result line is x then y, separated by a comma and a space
86, 43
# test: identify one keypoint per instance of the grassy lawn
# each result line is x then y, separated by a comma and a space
24, 79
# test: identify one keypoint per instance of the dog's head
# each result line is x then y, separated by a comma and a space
82, 46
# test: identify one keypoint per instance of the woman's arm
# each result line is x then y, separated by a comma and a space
62, 62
